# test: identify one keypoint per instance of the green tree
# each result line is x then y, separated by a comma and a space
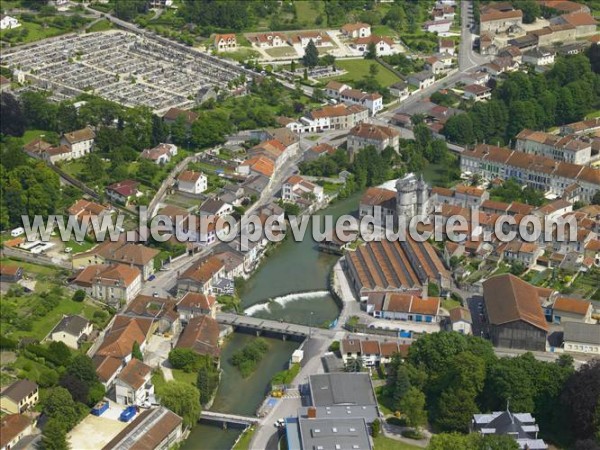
79, 295
412, 405
531, 9
375, 428
185, 359
136, 351
371, 52
83, 368
183, 399
311, 55
373, 70
60, 351
207, 380
54, 436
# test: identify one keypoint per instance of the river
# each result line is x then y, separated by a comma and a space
272, 293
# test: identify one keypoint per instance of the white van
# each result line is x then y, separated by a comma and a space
17, 232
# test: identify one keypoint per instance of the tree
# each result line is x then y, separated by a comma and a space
59, 405
581, 398
13, 121
293, 66
183, 399
375, 428
136, 351
79, 295
185, 359
371, 52
83, 368
531, 9
354, 365
54, 436
311, 55
455, 409
412, 405
78, 389
373, 70
208, 379
60, 352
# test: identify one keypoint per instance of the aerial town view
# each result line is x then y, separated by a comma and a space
299, 224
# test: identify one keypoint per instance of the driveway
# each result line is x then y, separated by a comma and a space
157, 350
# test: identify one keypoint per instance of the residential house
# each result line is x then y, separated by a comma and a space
79, 142
383, 45
257, 165
525, 253
210, 229
372, 101
269, 40
233, 261
71, 331
296, 188
119, 252
161, 154
566, 309
133, 385
123, 192
192, 182
460, 320
272, 149
114, 284
215, 207
520, 426
565, 6
8, 22
201, 334
514, 313
318, 150
302, 38
188, 117
163, 311
539, 172
194, 304
570, 148
20, 396
356, 30
584, 23
400, 306
10, 274
225, 42
437, 26
13, 428
443, 12
539, 56
477, 93
400, 90
366, 134
421, 80
116, 348
447, 46
333, 117
87, 210
494, 21
152, 429
201, 276
334, 89
582, 338
434, 65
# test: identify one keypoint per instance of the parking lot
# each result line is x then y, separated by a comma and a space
95, 432
123, 67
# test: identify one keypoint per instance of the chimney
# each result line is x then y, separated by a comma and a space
312, 412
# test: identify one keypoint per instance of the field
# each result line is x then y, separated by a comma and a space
101, 25
29, 32
384, 443
281, 52
357, 69
383, 30
308, 11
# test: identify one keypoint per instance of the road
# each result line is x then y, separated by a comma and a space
467, 57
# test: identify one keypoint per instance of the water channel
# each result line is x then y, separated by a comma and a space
290, 285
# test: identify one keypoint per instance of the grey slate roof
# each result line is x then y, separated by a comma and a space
334, 434
582, 332
342, 389
72, 325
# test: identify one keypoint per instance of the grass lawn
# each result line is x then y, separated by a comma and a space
32, 135
244, 442
357, 69
308, 11
33, 32
384, 443
383, 402
593, 115
30, 268
101, 25
280, 52
79, 247
240, 55
42, 326
383, 30
185, 377
450, 304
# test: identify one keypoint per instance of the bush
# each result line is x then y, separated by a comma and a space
185, 359
79, 295
397, 421
412, 434
335, 346
375, 428
248, 357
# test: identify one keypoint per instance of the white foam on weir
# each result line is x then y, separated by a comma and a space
283, 300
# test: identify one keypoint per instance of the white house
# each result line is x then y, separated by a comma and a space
582, 338
372, 101
71, 330
161, 154
215, 207
422, 79
192, 182
460, 320
437, 26
356, 30
400, 90
539, 57
477, 92
115, 284
133, 385
7, 22
383, 45
225, 42
79, 142
296, 188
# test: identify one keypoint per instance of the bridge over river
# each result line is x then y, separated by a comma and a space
225, 418
259, 325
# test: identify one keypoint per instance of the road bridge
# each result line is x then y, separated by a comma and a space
270, 326
227, 419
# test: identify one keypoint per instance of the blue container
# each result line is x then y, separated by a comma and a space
127, 414
99, 408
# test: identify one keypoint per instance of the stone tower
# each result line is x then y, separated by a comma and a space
412, 197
